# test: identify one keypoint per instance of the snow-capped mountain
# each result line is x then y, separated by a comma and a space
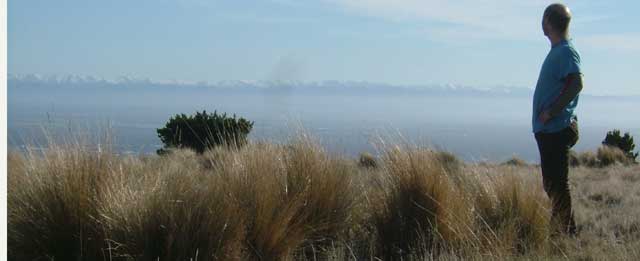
326, 87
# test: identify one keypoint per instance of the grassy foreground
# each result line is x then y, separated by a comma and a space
294, 201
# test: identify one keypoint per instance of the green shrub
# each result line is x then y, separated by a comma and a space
204, 131
624, 143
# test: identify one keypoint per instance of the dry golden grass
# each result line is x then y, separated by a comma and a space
605, 156
295, 201
417, 206
609, 155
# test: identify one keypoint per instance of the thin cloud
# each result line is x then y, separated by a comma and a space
464, 19
496, 18
620, 42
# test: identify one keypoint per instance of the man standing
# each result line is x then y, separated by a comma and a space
554, 121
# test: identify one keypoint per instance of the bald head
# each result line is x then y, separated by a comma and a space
558, 17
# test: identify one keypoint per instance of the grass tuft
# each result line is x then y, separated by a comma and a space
418, 207
608, 155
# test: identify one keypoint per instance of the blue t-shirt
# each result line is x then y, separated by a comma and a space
562, 60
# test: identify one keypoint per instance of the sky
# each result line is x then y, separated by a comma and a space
405, 42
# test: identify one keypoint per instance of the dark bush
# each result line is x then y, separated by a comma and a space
624, 143
204, 131
515, 161
367, 160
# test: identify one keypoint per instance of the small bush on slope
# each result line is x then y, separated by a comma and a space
203, 131
624, 143
515, 161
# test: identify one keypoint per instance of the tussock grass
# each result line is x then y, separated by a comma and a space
293, 197
605, 156
519, 216
169, 208
419, 207
609, 155
53, 203
295, 201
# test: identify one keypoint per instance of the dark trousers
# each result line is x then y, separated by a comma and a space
554, 161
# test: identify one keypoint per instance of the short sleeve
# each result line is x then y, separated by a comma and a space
569, 63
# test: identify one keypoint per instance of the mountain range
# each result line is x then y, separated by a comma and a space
312, 87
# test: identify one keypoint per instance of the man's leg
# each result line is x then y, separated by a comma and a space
554, 150
562, 210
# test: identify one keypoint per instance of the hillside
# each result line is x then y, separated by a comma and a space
295, 201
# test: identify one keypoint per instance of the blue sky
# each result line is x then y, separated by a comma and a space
477, 43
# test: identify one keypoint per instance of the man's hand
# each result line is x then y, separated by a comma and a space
544, 117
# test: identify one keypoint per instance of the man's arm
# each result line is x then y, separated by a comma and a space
570, 91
